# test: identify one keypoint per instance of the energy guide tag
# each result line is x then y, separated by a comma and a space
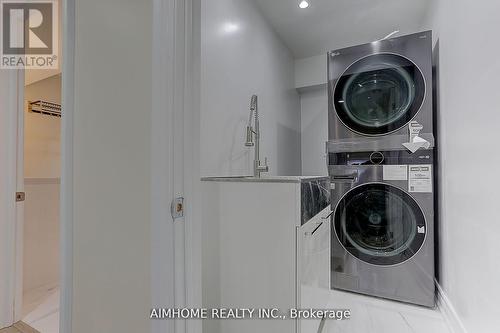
420, 178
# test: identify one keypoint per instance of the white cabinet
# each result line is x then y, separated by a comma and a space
250, 250
313, 267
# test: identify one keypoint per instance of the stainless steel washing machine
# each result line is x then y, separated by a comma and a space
383, 224
376, 89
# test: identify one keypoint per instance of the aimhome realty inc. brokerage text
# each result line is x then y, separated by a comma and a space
249, 313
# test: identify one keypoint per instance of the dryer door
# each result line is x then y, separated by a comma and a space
379, 94
380, 224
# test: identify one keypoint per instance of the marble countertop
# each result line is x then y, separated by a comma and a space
264, 179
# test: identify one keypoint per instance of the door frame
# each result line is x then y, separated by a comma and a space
175, 279
19, 227
66, 190
193, 236
175, 172
175, 96
11, 102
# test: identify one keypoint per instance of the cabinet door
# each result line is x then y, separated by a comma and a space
313, 267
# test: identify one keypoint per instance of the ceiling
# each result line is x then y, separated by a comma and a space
333, 24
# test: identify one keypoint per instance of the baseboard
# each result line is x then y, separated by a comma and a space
449, 313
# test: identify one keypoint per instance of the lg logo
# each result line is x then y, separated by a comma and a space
29, 33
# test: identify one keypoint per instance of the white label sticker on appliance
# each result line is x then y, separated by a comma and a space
420, 178
395, 172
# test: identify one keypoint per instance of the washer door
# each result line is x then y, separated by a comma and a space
379, 94
380, 224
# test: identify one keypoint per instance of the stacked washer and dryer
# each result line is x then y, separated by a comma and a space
381, 165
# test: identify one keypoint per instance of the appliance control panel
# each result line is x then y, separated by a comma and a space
394, 157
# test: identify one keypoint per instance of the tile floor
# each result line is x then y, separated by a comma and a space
34, 297
370, 314
42, 309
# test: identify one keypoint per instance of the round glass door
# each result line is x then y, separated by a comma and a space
379, 94
380, 224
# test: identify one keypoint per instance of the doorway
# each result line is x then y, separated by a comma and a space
30, 159
42, 172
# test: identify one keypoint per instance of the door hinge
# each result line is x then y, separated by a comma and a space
20, 196
177, 207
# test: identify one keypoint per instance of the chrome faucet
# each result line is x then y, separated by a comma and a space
255, 132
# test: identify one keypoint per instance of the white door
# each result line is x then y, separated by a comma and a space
313, 255
10, 175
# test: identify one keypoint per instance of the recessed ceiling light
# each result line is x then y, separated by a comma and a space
303, 4
230, 27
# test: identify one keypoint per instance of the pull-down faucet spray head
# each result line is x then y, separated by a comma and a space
253, 137
253, 103
250, 131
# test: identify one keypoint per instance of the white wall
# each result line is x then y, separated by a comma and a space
311, 82
241, 56
111, 198
42, 160
469, 68
314, 130
42, 133
41, 235
310, 71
